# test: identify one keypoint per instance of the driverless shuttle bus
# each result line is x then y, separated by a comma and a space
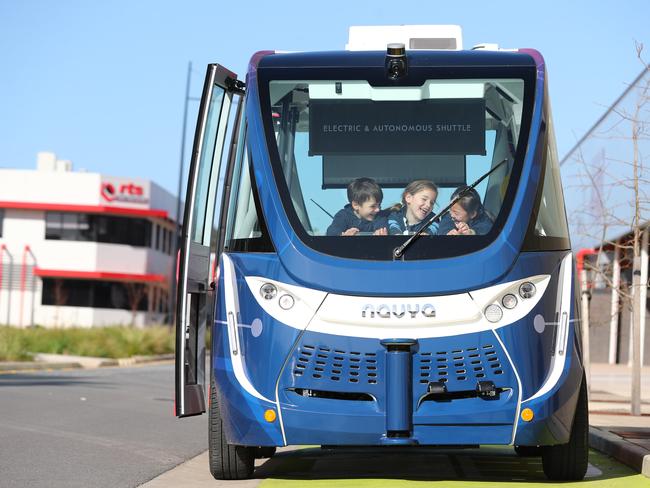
458, 328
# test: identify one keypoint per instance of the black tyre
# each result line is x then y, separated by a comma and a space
528, 451
568, 462
227, 462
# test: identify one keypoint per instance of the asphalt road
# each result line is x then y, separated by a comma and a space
111, 427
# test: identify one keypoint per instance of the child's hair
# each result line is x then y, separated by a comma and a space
418, 185
361, 190
412, 188
471, 202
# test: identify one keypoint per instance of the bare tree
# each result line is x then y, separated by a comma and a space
135, 293
613, 213
60, 298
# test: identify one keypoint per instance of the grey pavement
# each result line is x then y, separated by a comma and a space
613, 430
48, 362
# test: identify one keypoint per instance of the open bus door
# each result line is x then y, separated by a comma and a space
195, 294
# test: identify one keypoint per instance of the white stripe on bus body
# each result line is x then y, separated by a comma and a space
232, 307
564, 307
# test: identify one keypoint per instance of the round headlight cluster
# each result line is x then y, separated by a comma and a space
494, 312
527, 290
269, 291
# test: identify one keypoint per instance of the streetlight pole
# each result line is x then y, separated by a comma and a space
177, 226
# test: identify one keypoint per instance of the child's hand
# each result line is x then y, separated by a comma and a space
463, 228
381, 232
350, 232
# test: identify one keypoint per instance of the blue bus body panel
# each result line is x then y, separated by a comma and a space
283, 363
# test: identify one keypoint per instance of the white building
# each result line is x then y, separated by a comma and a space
83, 249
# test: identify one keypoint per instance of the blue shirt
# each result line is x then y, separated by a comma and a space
346, 219
481, 224
397, 224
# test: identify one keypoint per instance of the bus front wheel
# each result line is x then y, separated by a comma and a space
227, 462
568, 462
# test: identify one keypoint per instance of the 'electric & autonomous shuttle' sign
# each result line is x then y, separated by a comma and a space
443, 126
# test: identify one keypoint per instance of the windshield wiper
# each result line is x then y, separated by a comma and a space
398, 252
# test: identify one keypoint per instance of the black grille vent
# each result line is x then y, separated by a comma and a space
329, 364
471, 364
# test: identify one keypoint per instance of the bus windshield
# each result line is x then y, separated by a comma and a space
358, 160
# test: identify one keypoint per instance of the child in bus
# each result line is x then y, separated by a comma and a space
363, 213
418, 199
467, 216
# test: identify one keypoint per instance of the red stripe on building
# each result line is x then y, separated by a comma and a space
61, 207
99, 275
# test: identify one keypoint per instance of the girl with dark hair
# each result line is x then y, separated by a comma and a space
467, 216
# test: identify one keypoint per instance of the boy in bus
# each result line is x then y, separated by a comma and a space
363, 213
466, 217
418, 199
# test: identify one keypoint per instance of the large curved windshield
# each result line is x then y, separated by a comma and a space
363, 160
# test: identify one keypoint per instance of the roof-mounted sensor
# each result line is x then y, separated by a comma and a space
414, 37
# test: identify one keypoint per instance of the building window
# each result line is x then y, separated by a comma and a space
167, 238
94, 294
70, 226
156, 245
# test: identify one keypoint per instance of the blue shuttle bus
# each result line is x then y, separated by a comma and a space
462, 330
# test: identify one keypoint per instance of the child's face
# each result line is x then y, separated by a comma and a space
367, 210
420, 203
459, 214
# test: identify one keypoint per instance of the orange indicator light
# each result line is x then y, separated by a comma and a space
527, 415
270, 415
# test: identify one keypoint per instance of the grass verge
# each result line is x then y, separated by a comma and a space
108, 342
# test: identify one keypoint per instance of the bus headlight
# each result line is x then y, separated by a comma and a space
493, 313
527, 290
286, 302
268, 291
509, 301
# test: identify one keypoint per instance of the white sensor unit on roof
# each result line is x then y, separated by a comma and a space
414, 37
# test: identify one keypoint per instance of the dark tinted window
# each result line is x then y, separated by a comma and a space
95, 294
2, 217
157, 238
70, 226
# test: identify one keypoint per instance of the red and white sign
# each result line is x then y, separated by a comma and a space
124, 191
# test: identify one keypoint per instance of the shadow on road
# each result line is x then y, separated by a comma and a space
14, 380
493, 463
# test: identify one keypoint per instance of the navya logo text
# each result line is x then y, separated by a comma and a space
385, 311
123, 192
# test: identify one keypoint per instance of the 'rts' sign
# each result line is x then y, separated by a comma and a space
124, 191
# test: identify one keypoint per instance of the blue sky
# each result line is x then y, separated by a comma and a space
103, 83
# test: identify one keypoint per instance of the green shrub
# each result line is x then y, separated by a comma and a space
109, 342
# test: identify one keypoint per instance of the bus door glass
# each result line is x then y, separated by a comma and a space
195, 292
